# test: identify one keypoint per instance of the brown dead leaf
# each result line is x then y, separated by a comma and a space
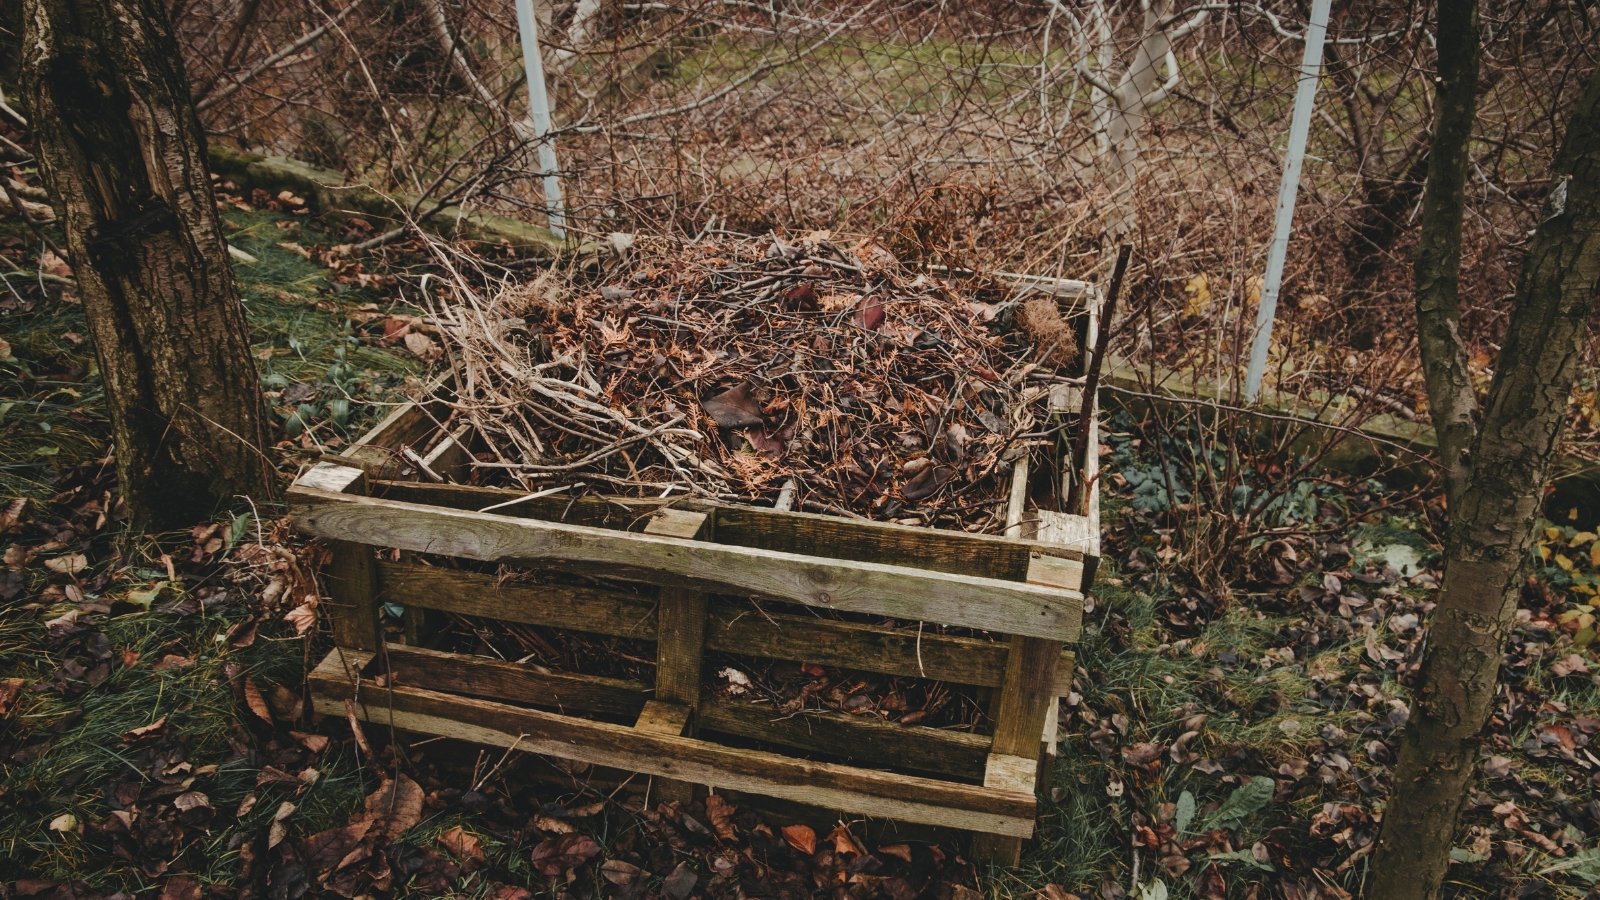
70, 564
844, 842
556, 855
898, 851
11, 512
10, 690
735, 407
144, 731
869, 314
1571, 664
51, 263
720, 812
302, 617
620, 872
422, 346
801, 837
181, 887
280, 828
254, 700
394, 808
462, 844
680, 884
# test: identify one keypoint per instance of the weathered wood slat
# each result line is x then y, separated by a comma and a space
843, 788
595, 610
857, 738
955, 552
865, 740
676, 719
680, 617
731, 626
479, 676
1029, 682
897, 591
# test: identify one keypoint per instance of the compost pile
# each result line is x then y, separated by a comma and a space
813, 374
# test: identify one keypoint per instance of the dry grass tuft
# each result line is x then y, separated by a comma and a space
1052, 335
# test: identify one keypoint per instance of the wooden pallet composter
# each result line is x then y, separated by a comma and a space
683, 574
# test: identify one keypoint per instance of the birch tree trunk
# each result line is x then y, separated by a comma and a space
1496, 487
123, 157
1124, 107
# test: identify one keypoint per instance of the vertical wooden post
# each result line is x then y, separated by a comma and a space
352, 576
1026, 695
353, 595
680, 648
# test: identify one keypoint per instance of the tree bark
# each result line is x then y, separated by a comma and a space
123, 156
1491, 521
1452, 403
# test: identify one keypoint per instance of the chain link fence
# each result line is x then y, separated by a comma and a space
992, 134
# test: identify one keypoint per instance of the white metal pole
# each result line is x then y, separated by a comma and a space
539, 112
1305, 98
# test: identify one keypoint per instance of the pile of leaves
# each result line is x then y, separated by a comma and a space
754, 368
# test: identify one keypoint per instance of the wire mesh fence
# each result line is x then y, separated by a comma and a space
1016, 135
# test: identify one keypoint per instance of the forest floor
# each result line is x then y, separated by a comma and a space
1230, 735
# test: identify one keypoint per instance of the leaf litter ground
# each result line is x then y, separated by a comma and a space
154, 738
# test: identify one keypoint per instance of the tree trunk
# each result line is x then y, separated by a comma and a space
1452, 402
123, 156
1491, 521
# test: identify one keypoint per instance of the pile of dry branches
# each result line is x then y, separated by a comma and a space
805, 374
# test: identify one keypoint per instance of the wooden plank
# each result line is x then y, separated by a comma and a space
327, 476
343, 664
867, 740
661, 717
600, 512
351, 580
733, 626
900, 592
883, 744
1003, 771
408, 423
1081, 532
1065, 528
843, 788
1029, 683
450, 457
480, 676
1029, 688
1018, 498
597, 610
680, 646
680, 616
956, 552
1011, 773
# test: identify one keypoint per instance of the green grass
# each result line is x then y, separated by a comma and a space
51, 408
51, 421
1247, 701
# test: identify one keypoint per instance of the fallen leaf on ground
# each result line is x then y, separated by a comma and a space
143, 731
70, 564
394, 808
462, 844
553, 856
734, 408
801, 838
